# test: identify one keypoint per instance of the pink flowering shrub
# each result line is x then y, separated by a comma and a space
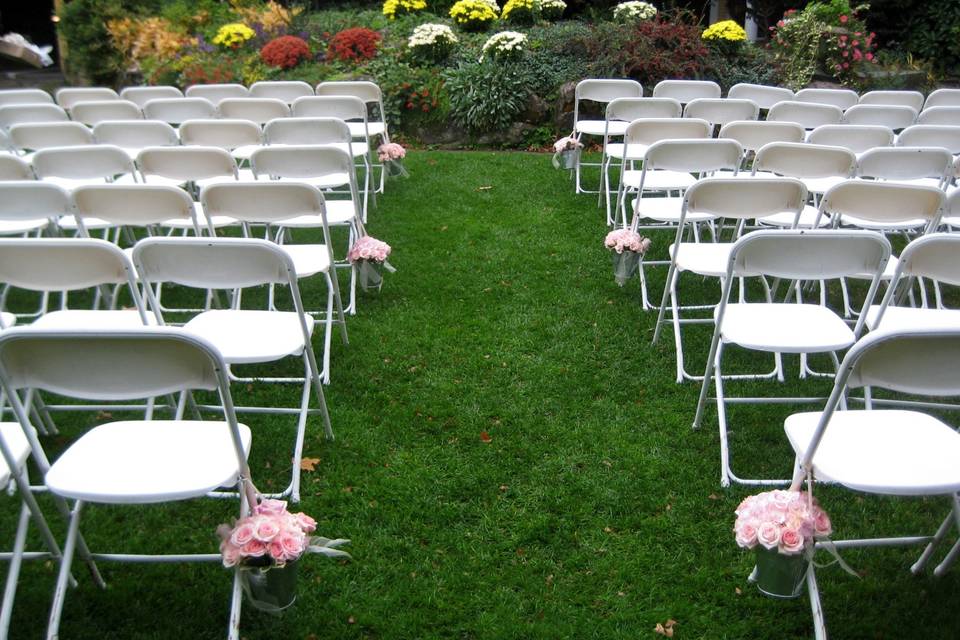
271, 536
785, 521
621, 240
391, 151
369, 248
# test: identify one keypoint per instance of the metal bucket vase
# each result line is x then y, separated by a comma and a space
569, 158
625, 265
778, 575
370, 275
270, 589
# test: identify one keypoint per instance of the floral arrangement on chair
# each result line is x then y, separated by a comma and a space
266, 545
432, 41
627, 247
370, 256
231, 36
391, 155
634, 10
285, 52
474, 15
394, 8
505, 45
566, 152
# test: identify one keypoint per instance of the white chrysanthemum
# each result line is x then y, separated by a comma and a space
553, 4
429, 35
504, 42
634, 10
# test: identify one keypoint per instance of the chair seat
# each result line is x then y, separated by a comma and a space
703, 258
597, 127
633, 151
243, 175
327, 181
807, 217
250, 336
668, 210
882, 451
822, 185
141, 462
243, 152
785, 327
7, 319
12, 435
903, 318
308, 259
182, 223
18, 227
107, 319
860, 223
72, 183
69, 223
373, 128
659, 180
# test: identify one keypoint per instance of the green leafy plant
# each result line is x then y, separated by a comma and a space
933, 33
795, 42
487, 96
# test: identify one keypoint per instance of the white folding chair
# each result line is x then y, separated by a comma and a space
70, 167
931, 135
893, 452
258, 110
931, 166
912, 99
284, 90
129, 462
191, 166
93, 112
367, 91
855, 137
951, 211
241, 263
12, 114
176, 110
785, 327
15, 168
948, 115
809, 115
139, 206
29, 137
686, 90
24, 96
764, 96
133, 136
239, 137
894, 116
735, 200
66, 97
938, 98
214, 93
753, 134
140, 95
30, 206
842, 98
603, 91
721, 111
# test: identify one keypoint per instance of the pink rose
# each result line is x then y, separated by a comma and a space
843, 19
230, 553
846, 65
746, 535
768, 535
855, 43
870, 56
271, 507
307, 523
791, 542
265, 529
242, 534
292, 545
822, 526
253, 549
276, 551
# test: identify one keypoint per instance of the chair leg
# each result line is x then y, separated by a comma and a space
816, 609
13, 573
721, 419
954, 553
60, 592
924, 558
318, 390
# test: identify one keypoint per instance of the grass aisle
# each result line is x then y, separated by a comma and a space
513, 458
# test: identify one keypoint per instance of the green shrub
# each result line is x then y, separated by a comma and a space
933, 33
90, 51
487, 96
751, 64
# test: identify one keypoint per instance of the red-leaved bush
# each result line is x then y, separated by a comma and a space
354, 44
285, 52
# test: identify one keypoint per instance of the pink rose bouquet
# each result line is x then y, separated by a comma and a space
391, 155
784, 521
368, 248
621, 240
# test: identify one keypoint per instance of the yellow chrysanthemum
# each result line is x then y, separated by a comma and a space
725, 30
472, 13
394, 8
233, 34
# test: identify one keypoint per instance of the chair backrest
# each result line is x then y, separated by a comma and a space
809, 254
906, 163
12, 114
884, 202
629, 109
931, 135
649, 130
912, 99
188, 164
855, 137
343, 107
69, 96
217, 92
177, 110
31, 200
363, 89
805, 160
31, 136
226, 134
721, 110
92, 112
334, 164
140, 95
741, 199
83, 162
693, 156
842, 98
765, 96
948, 115
24, 96
301, 131
137, 205
893, 116
938, 98
136, 134
604, 90
753, 134
809, 115
259, 110
686, 90
284, 90
15, 168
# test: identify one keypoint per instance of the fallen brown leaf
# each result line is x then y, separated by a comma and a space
309, 464
485, 437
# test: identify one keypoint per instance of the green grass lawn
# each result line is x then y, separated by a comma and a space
513, 459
